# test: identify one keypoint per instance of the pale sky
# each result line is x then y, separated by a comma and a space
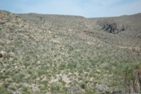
86, 8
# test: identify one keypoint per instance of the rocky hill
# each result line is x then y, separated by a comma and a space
50, 54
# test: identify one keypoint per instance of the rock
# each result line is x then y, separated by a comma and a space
136, 86
3, 54
75, 90
112, 26
102, 87
11, 54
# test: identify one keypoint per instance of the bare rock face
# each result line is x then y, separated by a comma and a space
112, 26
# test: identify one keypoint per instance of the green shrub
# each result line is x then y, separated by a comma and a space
4, 91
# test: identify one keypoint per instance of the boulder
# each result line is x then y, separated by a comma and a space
3, 54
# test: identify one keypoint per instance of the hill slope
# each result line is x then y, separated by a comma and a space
61, 54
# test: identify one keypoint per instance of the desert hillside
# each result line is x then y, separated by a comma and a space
63, 54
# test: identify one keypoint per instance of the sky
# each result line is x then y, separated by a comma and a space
86, 8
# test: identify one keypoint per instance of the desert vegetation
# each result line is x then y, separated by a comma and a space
60, 54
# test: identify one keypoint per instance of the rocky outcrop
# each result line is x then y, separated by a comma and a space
112, 26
